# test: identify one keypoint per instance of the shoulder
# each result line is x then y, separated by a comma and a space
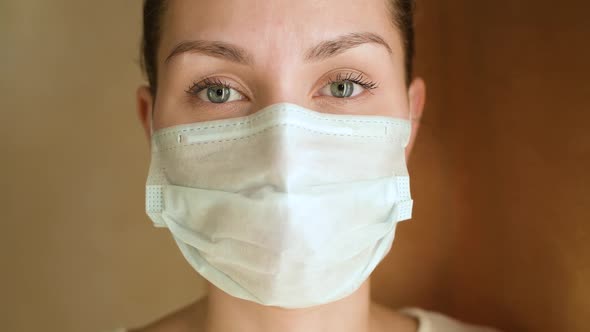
432, 321
188, 318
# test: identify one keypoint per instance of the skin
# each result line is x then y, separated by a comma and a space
277, 35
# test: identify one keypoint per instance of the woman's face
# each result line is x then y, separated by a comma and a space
229, 58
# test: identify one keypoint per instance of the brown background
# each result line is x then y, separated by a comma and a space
501, 184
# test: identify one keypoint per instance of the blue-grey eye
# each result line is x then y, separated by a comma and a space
219, 94
342, 89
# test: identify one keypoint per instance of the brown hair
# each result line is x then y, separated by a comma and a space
401, 11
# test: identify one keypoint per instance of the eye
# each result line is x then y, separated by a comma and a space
342, 89
219, 94
215, 91
349, 85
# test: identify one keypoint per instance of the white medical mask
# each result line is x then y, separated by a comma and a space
286, 207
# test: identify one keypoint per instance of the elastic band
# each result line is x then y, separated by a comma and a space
152, 122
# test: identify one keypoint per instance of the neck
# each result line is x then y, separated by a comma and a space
230, 314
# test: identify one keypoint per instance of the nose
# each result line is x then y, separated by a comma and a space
280, 87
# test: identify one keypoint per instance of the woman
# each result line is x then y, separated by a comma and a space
279, 134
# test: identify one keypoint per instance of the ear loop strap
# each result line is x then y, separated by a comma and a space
152, 121
152, 145
411, 122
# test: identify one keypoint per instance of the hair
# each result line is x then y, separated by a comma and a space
401, 11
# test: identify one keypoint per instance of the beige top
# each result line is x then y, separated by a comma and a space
432, 321
429, 321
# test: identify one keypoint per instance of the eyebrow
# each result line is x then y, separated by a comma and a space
330, 48
235, 53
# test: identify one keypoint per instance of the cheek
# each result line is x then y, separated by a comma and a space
165, 106
395, 105
398, 95
393, 97
172, 105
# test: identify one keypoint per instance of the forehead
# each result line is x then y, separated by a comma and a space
270, 28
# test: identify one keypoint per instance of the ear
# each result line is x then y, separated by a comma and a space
416, 99
145, 102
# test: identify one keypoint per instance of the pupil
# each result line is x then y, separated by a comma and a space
218, 94
342, 89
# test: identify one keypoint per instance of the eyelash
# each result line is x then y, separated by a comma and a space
197, 87
359, 79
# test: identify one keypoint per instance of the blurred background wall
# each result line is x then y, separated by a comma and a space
501, 233
502, 167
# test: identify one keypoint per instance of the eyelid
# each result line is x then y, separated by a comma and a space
199, 85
